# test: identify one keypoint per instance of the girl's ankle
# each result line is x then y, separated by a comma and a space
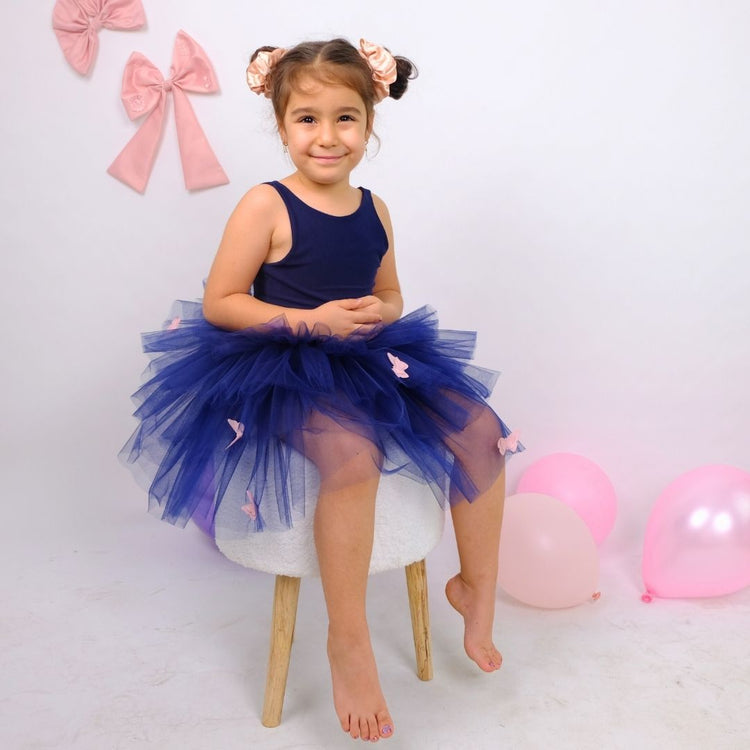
348, 632
483, 581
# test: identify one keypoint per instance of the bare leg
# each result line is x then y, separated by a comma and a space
477, 527
344, 527
472, 590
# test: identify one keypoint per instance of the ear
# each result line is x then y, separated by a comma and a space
282, 131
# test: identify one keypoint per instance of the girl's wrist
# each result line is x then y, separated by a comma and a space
299, 317
392, 306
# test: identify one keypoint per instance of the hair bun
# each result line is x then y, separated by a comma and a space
406, 71
265, 48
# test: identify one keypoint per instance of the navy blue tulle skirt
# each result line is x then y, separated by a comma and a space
234, 416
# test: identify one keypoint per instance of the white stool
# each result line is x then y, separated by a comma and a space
408, 524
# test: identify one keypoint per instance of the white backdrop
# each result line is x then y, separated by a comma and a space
568, 178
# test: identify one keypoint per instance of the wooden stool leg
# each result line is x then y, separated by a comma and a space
416, 585
285, 596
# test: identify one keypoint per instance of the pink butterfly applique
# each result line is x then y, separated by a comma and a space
239, 431
249, 509
509, 443
399, 367
174, 324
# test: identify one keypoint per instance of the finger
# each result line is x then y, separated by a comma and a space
370, 305
365, 316
344, 304
370, 300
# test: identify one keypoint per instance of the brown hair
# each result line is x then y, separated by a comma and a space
337, 62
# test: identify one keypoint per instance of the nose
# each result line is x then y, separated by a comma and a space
327, 133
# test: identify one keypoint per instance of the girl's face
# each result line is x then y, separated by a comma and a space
325, 128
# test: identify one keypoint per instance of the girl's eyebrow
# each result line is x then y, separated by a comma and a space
315, 111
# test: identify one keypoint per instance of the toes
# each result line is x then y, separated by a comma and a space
373, 733
487, 659
385, 725
494, 658
364, 729
491, 663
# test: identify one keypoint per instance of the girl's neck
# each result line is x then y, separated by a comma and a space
335, 198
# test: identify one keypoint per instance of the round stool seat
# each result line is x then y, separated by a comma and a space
409, 523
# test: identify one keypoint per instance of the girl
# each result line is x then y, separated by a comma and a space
301, 355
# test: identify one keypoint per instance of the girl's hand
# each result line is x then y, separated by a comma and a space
372, 304
347, 316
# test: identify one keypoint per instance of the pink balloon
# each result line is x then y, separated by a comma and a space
580, 484
698, 535
548, 557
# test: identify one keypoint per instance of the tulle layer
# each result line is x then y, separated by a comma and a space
231, 416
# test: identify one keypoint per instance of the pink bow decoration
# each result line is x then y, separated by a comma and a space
144, 92
77, 22
509, 443
383, 67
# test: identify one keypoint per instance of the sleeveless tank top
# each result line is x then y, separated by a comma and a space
332, 257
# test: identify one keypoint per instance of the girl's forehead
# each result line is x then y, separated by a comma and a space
310, 91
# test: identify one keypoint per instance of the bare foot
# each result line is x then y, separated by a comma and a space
478, 610
357, 696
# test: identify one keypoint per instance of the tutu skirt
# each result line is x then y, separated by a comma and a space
234, 416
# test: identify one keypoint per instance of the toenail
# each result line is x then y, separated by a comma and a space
387, 729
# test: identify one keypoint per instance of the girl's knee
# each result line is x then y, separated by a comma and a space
347, 455
481, 434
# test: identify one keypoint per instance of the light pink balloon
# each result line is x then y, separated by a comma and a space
548, 557
698, 535
580, 484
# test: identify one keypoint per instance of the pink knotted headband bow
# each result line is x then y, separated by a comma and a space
144, 92
379, 59
77, 22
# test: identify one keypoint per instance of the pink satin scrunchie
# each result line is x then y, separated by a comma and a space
77, 22
383, 66
144, 92
380, 61
260, 68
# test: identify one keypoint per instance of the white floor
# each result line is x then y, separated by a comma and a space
122, 632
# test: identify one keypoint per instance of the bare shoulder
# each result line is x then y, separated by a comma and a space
382, 210
380, 204
261, 198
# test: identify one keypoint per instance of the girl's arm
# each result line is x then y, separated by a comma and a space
387, 289
247, 239
243, 249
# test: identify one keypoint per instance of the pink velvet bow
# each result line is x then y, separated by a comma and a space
77, 22
144, 92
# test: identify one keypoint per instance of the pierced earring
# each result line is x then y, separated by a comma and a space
366, 142
285, 148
